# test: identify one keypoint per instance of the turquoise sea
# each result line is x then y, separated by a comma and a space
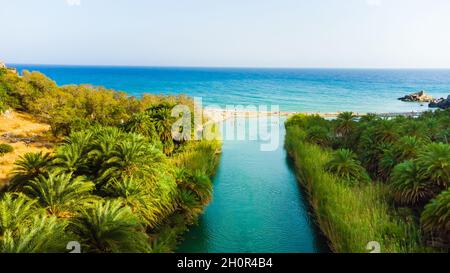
258, 206
324, 90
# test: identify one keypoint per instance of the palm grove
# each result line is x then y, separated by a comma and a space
116, 182
375, 179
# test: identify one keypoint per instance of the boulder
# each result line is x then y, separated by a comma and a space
420, 96
440, 103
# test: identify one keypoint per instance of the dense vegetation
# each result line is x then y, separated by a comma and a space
374, 179
117, 182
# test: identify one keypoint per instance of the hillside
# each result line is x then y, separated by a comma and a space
26, 135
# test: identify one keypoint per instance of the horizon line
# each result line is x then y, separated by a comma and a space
231, 67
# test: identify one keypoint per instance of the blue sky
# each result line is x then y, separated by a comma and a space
252, 33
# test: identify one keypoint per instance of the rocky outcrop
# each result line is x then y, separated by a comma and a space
12, 70
440, 103
420, 96
9, 69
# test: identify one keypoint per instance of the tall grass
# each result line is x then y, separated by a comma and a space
199, 156
349, 216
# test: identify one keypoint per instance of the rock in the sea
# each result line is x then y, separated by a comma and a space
420, 96
440, 103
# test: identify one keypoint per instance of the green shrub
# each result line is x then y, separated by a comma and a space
5, 149
3, 107
435, 219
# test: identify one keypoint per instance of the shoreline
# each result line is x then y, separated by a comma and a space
219, 115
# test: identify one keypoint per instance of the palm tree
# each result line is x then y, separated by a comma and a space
435, 219
60, 193
434, 163
345, 165
318, 135
126, 188
15, 210
165, 240
28, 167
83, 139
432, 125
386, 131
417, 129
345, 123
142, 124
104, 143
408, 186
161, 115
368, 118
345, 129
376, 138
109, 226
388, 161
132, 157
200, 184
443, 136
406, 148
45, 234
371, 152
190, 204
148, 202
71, 158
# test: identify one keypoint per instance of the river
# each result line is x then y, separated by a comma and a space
258, 206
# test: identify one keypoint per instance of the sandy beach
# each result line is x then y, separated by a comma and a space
219, 115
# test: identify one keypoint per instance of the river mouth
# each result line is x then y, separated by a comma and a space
258, 206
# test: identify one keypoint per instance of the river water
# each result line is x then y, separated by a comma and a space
257, 207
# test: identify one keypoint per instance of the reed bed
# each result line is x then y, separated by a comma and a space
349, 216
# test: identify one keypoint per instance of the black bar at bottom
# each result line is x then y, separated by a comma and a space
219, 262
